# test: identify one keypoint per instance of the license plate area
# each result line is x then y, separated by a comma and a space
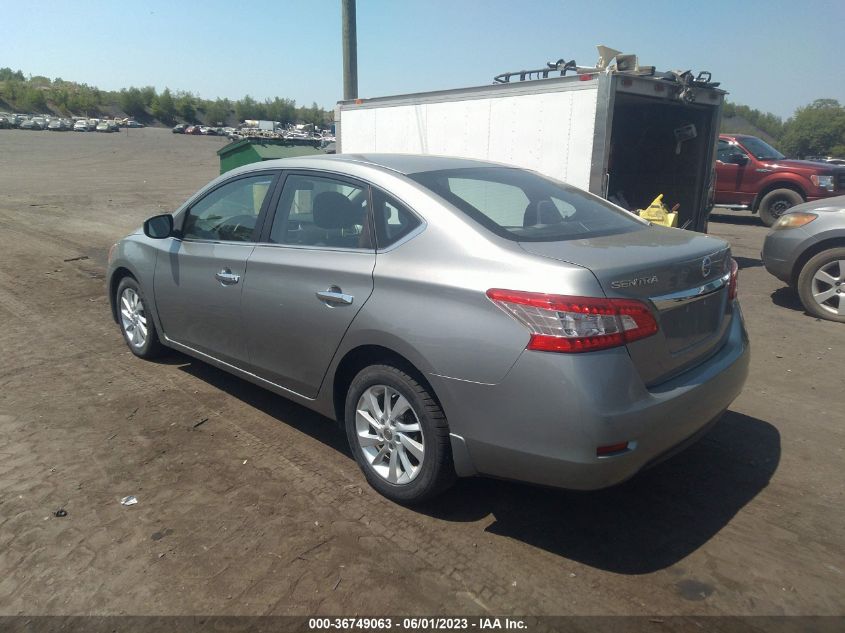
693, 322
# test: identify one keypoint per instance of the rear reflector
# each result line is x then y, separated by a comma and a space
611, 449
560, 323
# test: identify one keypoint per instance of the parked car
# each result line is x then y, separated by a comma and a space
179, 128
832, 160
92, 124
752, 174
5, 123
806, 249
554, 338
193, 130
56, 125
134, 124
104, 126
80, 126
29, 124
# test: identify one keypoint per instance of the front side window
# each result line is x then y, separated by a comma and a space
725, 150
526, 207
318, 211
229, 213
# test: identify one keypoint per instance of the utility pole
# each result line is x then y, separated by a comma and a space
350, 50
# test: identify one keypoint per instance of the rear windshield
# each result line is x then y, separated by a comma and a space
526, 207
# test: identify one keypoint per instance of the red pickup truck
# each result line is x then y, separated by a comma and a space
751, 174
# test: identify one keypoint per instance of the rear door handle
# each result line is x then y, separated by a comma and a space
334, 296
227, 277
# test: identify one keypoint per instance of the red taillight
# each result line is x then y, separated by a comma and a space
611, 449
732, 284
575, 324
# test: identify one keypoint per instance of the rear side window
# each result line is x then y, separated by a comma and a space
393, 219
228, 213
526, 207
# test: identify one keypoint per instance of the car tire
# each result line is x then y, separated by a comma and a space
824, 276
133, 316
775, 203
406, 455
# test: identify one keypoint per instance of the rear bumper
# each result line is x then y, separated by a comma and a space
545, 420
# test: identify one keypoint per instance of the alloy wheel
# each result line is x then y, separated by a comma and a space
389, 433
133, 317
828, 287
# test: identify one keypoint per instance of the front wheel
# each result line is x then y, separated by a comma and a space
775, 203
398, 434
821, 285
135, 320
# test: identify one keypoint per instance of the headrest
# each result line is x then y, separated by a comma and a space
333, 210
542, 212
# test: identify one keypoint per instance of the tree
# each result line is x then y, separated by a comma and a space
148, 94
816, 129
31, 99
246, 108
185, 107
216, 112
132, 102
164, 108
6, 74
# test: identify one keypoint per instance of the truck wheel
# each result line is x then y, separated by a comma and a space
821, 285
398, 435
775, 203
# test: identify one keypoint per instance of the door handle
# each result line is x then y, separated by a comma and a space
227, 277
334, 296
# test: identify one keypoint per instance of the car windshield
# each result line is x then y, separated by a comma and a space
760, 149
525, 207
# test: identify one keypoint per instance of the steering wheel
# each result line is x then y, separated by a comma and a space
237, 226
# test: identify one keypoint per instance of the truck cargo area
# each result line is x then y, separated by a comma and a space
645, 159
622, 136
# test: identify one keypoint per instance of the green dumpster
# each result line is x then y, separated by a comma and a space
250, 150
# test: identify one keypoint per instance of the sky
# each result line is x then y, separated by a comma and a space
773, 55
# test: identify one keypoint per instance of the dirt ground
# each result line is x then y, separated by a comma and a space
261, 510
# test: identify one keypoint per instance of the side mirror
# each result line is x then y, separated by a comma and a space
738, 159
159, 227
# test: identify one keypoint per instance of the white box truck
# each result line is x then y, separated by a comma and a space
621, 135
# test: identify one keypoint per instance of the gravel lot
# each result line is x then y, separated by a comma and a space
261, 510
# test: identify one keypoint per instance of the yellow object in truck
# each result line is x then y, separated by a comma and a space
658, 213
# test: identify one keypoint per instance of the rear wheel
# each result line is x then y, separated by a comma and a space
398, 435
136, 323
775, 203
821, 285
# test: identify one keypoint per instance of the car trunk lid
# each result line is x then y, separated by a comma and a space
681, 275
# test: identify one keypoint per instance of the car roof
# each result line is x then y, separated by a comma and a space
406, 164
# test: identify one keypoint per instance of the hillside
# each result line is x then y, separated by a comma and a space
41, 95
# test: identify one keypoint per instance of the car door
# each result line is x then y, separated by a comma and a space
728, 174
200, 273
308, 278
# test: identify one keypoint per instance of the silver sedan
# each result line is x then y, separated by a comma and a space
456, 317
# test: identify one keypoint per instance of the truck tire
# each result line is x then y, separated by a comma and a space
775, 203
821, 285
